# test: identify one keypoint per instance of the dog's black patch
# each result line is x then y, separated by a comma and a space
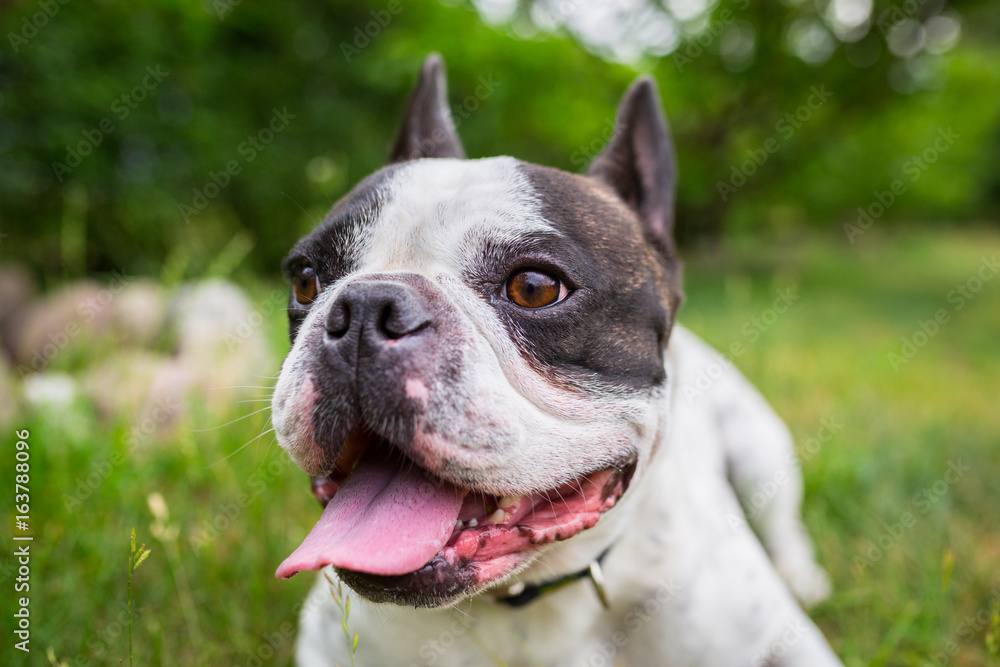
330, 249
614, 325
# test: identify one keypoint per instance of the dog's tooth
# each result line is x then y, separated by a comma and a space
497, 517
472, 523
459, 524
509, 501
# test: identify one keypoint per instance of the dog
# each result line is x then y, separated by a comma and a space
484, 384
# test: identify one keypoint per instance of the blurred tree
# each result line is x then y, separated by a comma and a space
741, 78
156, 136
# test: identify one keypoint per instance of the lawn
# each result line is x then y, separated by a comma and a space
899, 441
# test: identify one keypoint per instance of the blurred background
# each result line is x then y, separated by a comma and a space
158, 159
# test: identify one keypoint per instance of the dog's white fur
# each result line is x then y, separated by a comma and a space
689, 582
438, 212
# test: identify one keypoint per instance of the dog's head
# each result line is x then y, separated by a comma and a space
477, 364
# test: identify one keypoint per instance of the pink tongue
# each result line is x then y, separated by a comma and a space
385, 519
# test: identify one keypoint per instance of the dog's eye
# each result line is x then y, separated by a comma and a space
305, 285
534, 289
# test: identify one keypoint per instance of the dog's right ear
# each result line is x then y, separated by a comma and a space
427, 129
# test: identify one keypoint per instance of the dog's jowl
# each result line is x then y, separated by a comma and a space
483, 385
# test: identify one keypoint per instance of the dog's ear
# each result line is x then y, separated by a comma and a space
427, 129
639, 163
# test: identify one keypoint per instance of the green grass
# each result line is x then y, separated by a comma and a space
208, 596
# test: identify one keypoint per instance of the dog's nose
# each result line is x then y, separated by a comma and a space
376, 312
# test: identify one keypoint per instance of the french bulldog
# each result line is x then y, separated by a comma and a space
484, 383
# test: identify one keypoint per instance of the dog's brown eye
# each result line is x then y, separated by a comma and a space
533, 289
305, 285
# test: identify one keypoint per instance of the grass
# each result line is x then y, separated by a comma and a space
343, 602
912, 548
136, 557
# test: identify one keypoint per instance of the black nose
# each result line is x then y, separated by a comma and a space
375, 312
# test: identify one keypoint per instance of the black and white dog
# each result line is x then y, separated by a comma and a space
484, 385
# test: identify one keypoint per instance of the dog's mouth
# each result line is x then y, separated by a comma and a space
396, 532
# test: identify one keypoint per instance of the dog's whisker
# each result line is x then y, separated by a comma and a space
216, 428
264, 426
241, 448
314, 221
267, 450
244, 386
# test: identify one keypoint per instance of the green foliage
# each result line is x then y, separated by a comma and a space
220, 69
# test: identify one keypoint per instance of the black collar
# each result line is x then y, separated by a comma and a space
532, 592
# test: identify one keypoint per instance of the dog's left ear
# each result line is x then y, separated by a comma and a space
427, 129
639, 164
